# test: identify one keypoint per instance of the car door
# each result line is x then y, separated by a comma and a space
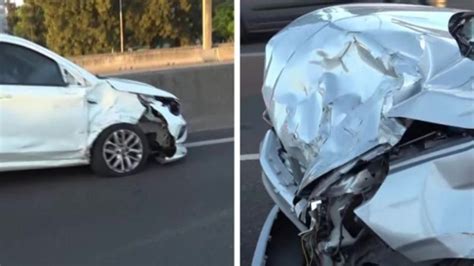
42, 119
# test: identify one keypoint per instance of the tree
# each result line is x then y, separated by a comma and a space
81, 26
223, 21
28, 22
176, 22
78, 27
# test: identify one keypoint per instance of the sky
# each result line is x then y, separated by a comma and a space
17, 2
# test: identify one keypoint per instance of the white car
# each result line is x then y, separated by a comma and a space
54, 113
371, 150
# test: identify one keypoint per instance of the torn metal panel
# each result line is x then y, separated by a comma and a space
108, 106
137, 87
435, 226
338, 79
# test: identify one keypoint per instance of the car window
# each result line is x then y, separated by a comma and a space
23, 66
468, 30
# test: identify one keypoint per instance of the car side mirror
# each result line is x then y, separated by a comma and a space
461, 27
70, 79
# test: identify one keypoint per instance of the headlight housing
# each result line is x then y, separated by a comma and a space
172, 104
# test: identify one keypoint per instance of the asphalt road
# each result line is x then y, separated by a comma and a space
176, 214
255, 203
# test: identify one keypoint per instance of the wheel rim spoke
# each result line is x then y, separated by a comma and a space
109, 151
110, 143
111, 158
116, 138
135, 151
122, 165
116, 163
123, 151
128, 162
136, 141
122, 137
135, 159
130, 138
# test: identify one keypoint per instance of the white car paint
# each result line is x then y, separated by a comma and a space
51, 126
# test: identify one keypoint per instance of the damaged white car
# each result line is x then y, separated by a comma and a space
54, 113
371, 151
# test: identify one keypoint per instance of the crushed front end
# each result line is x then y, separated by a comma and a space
369, 123
156, 112
165, 127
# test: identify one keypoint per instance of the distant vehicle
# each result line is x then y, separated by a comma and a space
267, 16
53, 113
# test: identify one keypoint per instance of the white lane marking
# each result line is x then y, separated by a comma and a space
252, 54
208, 142
249, 157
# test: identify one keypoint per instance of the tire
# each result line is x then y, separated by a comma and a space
120, 150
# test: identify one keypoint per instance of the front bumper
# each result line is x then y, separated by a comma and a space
180, 133
181, 152
278, 243
259, 256
278, 181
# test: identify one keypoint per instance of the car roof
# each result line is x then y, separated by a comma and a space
7, 38
23, 42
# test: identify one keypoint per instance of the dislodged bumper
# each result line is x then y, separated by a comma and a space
278, 181
263, 239
177, 128
435, 194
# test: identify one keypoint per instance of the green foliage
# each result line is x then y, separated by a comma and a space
223, 21
78, 27
81, 26
12, 18
176, 22
28, 23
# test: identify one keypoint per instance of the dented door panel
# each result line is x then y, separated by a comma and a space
42, 123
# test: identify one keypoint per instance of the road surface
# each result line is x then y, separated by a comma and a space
255, 203
176, 214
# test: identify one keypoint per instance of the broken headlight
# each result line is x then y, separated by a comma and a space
172, 104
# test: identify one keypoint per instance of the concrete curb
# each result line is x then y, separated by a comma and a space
158, 58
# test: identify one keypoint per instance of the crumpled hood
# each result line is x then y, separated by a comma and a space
337, 79
138, 87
